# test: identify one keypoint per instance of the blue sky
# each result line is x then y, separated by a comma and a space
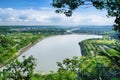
40, 12
24, 4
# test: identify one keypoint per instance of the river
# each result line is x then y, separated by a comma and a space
55, 49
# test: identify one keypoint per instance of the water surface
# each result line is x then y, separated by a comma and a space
55, 49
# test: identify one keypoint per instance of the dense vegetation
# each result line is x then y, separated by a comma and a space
17, 70
105, 47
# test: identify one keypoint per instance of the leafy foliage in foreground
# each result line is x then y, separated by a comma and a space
77, 68
83, 68
17, 70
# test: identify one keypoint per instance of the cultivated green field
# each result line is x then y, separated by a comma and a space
105, 46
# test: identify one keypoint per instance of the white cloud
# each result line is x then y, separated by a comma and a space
47, 16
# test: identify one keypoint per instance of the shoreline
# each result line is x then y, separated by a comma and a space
22, 50
27, 47
81, 44
82, 49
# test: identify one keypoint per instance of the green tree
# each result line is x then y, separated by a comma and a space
17, 70
112, 7
88, 68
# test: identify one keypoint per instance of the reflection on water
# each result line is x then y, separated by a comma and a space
54, 49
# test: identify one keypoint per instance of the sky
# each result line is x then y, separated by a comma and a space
40, 12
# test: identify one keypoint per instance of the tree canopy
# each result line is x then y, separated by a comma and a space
112, 7
18, 70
